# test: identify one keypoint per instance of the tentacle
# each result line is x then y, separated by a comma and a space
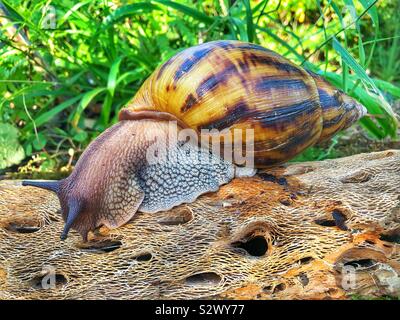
74, 210
48, 185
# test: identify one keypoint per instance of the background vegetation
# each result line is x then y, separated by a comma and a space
63, 84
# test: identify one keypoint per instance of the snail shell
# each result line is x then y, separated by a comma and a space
237, 85
223, 85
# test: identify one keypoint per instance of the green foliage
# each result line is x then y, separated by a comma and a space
11, 152
68, 83
318, 153
386, 62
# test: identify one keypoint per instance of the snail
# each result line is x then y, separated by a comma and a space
219, 85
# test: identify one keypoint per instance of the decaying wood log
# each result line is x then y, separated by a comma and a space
312, 230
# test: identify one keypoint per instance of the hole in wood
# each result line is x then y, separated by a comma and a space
48, 281
279, 288
389, 154
176, 218
267, 289
339, 220
256, 246
305, 260
303, 278
358, 177
22, 228
144, 257
393, 236
271, 178
101, 246
325, 222
361, 263
204, 279
286, 202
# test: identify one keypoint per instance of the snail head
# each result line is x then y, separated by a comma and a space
102, 189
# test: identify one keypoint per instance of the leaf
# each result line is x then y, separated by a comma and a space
71, 11
40, 142
249, 20
388, 87
352, 63
87, 98
360, 72
45, 117
106, 111
112, 76
200, 16
369, 6
284, 43
372, 11
28, 148
130, 76
11, 12
80, 136
240, 26
127, 11
11, 152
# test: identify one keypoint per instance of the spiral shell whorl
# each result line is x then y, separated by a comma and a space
238, 85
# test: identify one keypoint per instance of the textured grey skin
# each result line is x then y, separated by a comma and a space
186, 173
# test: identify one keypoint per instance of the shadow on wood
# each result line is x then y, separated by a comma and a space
311, 230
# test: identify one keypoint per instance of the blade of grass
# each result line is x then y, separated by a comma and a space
47, 116
352, 63
128, 11
388, 87
198, 15
249, 21
86, 99
131, 76
345, 67
72, 11
240, 27
373, 13
339, 32
105, 112
111, 84
322, 15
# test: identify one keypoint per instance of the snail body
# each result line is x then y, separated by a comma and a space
220, 85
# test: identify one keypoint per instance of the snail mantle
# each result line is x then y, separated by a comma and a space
312, 230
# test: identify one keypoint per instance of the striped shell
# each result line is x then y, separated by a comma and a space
238, 85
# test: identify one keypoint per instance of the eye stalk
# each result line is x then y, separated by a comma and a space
54, 186
73, 212
47, 185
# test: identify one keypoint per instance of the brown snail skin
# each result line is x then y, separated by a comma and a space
217, 85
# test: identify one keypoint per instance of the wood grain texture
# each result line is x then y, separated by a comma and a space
317, 230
